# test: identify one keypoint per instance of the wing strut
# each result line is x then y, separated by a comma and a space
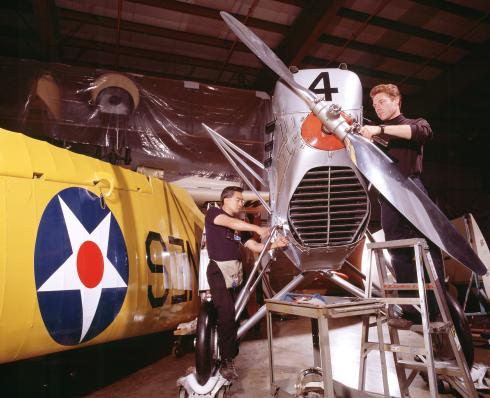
231, 151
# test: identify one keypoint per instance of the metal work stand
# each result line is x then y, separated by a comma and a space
456, 372
319, 315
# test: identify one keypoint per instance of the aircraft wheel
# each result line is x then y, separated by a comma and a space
205, 342
221, 393
463, 329
183, 393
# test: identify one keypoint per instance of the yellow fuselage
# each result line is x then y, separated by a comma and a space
89, 252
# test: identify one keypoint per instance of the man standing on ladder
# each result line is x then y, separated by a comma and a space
225, 272
403, 140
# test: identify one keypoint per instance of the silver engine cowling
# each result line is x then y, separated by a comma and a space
316, 191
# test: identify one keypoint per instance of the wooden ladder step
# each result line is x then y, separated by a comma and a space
434, 327
443, 368
398, 348
406, 286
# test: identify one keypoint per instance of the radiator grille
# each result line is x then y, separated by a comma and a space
328, 207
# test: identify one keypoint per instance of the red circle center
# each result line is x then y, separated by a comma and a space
90, 264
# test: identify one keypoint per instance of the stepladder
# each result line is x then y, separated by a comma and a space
413, 358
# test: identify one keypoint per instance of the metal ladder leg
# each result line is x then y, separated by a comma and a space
382, 355
363, 357
365, 343
361, 383
393, 333
468, 388
431, 371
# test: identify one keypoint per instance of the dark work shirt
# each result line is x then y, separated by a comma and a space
223, 243
408, 153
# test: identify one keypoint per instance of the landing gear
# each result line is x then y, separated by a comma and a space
216, 386
222, 393
183, 393
206, 343
206, 381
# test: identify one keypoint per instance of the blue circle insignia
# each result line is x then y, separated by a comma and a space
81, 266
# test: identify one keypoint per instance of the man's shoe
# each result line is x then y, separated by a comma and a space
400, 323
228, 370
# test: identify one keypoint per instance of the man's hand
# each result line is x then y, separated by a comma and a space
368, 131
281, 241
263, 232
257, 247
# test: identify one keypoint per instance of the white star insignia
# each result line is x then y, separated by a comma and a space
67, 277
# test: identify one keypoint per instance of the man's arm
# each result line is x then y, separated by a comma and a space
420, 131
401, 131
257, 247
239, 225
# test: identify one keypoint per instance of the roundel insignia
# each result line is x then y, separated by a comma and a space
80, 266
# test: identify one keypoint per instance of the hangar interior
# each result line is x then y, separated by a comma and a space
181, 66
436, 51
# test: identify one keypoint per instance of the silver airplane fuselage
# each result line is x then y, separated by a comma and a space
316, 192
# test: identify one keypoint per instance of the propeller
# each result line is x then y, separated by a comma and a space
374, 164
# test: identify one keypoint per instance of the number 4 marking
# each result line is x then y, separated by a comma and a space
327, 90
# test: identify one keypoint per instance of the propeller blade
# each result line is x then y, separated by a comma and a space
399, 190
266, 55
411, 201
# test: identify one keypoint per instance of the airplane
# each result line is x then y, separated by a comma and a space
142, 234
318, 173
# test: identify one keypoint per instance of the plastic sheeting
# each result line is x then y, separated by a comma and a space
103, 113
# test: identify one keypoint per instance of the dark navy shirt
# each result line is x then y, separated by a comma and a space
223, 243
408, 153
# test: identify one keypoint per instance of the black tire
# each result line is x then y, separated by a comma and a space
463, 329
205, 347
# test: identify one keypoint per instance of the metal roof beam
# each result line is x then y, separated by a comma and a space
306, 29
212, 13
398, 26
378, 50
159, 56
303, 33
298, 3
456, 9
107, 22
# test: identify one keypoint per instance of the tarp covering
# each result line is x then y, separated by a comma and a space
101, 113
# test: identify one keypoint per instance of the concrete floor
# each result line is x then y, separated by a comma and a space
144, 367
293, 352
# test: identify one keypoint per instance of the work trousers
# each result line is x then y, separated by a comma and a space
396, 226
224, 304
